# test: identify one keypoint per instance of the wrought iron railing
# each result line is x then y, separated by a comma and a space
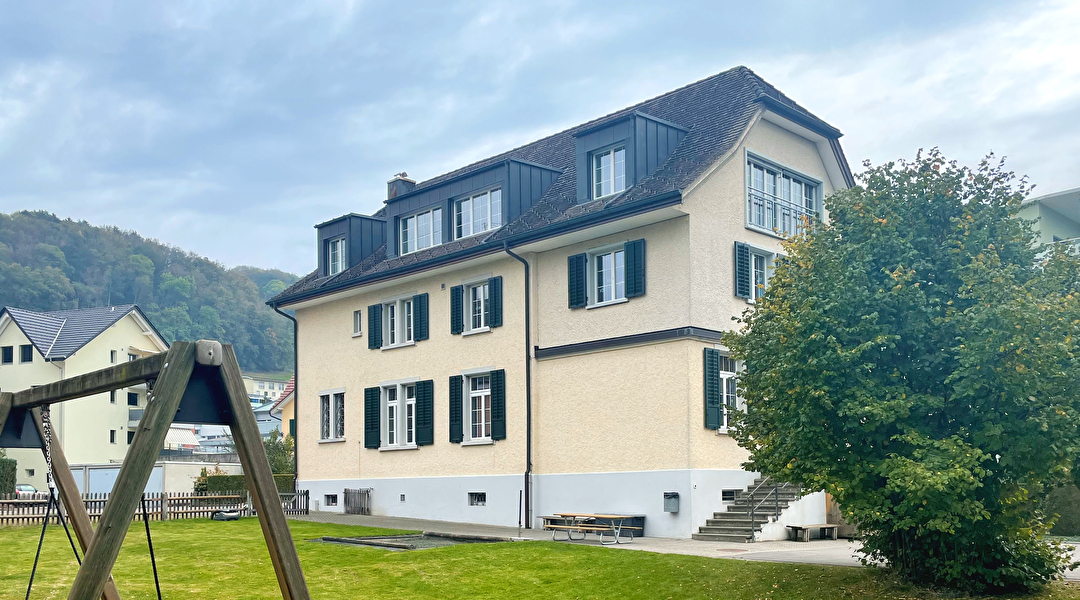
775, 214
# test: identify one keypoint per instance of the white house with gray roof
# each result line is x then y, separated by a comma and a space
42, 347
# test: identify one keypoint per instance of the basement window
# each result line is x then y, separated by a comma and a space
727, 495
330, 500
477, 498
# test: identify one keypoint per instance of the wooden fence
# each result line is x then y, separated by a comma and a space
30, 509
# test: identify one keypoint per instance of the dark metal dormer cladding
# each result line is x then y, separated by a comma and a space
522, 183
362, 236
646, 141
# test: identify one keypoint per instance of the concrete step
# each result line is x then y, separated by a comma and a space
725, 530
718, 537
746, 513
745, 523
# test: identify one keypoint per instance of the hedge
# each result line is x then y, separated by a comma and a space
233, 483
8, 469
1064, 502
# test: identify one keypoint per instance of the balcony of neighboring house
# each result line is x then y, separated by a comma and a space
1058, 217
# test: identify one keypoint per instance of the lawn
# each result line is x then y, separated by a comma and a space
229, 560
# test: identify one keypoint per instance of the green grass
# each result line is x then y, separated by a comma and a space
229, 560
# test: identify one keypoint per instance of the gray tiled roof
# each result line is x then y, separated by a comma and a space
715, 111
59, 334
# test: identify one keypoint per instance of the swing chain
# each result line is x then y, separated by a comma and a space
46, 427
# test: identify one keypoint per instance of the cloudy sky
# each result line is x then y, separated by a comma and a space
230, 128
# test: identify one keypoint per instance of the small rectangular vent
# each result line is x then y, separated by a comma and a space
477, 498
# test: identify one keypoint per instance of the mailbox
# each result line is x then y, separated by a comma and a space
671, 502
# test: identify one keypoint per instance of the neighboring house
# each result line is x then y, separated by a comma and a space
285, 409
449, 376
1058, 216
262, 389
268, 422
42, 347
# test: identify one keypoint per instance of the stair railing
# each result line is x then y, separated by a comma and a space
775, 494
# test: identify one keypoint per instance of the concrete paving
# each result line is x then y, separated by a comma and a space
842, 553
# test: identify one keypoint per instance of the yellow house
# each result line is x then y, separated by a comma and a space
285, 409
42, 347
265, 389
545, 324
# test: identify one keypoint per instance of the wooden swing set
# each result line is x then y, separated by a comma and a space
196, 382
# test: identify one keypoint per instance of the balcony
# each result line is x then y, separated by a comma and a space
134, 416
1073, 242
776, 215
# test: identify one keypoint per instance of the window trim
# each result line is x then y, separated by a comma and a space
407, 333
725, 376
456, 203
402, 226
342, 252
767, 163
331, 393
22, 354
358, 323
592, 155
770, 265
467, 307
590, 275
402, 401
467, 438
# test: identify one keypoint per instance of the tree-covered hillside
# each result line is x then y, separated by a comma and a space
49, 264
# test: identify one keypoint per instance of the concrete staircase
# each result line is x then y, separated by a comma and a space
735, 524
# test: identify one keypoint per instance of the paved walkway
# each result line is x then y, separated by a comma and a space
818, 552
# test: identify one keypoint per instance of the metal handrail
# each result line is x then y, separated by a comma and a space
775, 493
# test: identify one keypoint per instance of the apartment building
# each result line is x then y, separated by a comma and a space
42, 347
1058, 216
262, 389
545, 324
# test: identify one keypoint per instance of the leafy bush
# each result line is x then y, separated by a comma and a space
915, 358
236, 483
1064, 502
8, 469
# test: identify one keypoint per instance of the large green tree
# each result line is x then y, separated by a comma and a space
916, 357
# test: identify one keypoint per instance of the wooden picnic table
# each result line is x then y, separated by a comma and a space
585, 523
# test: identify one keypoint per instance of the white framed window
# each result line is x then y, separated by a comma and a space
262, 385
728, 495
357, 322
478, 213
779, 201
477, 498
330, 500
332, 415
476, 310
729, 392
608, 275
399, 412
335, 256
398, 322
609, 172
422, 230
478, 409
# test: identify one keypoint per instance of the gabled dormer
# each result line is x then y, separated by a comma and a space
614, 155
345, 241
469, 204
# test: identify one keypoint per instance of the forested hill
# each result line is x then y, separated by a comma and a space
49, 264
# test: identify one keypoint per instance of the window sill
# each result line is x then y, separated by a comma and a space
480, 442
475, 331
465, 237
332, 441
358, 334
420, 249
396, 448
722, 431
396, 346
608, 303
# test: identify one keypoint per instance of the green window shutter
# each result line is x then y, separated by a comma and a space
576, 280
457, 385
634, 253
425, 413
713, 393
420, 316
292, 428
498, 405
742, 270
457, 294
495, 302
372, 428
374, 326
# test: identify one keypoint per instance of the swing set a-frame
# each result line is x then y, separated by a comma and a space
194, 382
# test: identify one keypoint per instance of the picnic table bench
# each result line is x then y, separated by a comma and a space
586, 523
804, 530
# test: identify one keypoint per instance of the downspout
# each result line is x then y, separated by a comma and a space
296, 391
528, 389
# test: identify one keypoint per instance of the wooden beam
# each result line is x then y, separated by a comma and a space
68, 491
96, 382
260, 481
164, 399
6, 401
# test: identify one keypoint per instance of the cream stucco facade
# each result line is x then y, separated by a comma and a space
92, 429
616, 421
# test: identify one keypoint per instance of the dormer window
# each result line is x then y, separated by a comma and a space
422, 230
609, 172
478, 213
335, 256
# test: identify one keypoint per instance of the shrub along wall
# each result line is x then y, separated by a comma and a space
1065, 502
233, 483
8, 468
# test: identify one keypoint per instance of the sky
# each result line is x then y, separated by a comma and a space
230, 128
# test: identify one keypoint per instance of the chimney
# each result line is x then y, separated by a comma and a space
398, 185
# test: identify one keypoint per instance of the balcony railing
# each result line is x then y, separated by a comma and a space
1074, 242
135, 414
776, 215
